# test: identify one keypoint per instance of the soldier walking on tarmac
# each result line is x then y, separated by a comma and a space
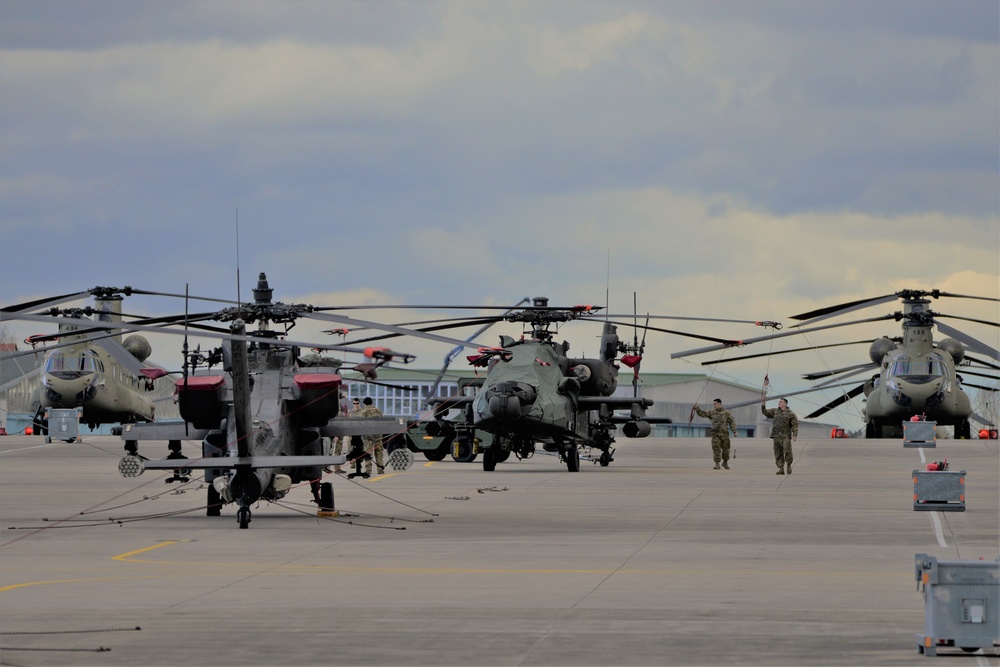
373, 443
722, 424
784, 430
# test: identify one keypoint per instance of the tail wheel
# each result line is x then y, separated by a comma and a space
489, 459
605, 459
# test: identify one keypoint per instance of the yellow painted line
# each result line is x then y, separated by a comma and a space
12, 587
128, 556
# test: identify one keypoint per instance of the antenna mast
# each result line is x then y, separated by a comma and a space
238, 297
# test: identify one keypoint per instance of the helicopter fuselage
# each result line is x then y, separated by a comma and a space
917, 379
87, 377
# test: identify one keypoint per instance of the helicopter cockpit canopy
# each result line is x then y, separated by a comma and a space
66, 366
917, 371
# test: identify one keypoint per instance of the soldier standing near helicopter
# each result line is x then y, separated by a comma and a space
373, 443
722, 424
784, 430
339, 441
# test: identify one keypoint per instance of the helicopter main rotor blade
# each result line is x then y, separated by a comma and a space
126, 328
979, 386
979, 375
748, 341
743, 404
830, 311
970, 342
675, 317
182, 296
968, 319
836, 371
441, 327
43, 303
841, 377
982, 362
843, 398
937, 293
797, 349
343, 319
723, 341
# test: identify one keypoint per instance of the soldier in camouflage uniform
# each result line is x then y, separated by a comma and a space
722, 424
373, 443
784, 430
339, 441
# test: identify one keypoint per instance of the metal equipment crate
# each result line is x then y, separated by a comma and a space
961, 604
63, 424
941, 490
919, 434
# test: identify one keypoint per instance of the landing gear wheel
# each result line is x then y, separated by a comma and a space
326, 497
871, 430
489, 459
500, 453
214, 504
605, 459
243, 516
572, 458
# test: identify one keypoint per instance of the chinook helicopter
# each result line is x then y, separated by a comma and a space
916, 376
533, 392
260, 407
95, 370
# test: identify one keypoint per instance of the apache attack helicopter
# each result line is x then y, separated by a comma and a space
534, 393
916, 377
262, 415
92, 369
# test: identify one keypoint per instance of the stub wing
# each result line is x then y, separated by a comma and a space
635, 406
363, 426
175, 430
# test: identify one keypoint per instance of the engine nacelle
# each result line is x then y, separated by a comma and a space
138, 347
596, 377
954, 348
879, 349
637, 429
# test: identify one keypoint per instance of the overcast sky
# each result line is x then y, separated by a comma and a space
722, 159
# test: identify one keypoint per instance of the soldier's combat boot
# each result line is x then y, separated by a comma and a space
716, 466
725, 464
781, 471
788, 467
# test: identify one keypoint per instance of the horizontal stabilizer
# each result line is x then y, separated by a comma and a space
254, 462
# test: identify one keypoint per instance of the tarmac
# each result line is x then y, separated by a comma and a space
657, 559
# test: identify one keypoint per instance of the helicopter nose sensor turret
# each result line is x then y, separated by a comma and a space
510, 400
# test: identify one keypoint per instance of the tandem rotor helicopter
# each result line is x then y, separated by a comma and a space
262, 414
916, 376
90, 368
533, 392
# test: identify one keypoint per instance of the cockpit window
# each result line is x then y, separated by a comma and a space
87, 362
911, 367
